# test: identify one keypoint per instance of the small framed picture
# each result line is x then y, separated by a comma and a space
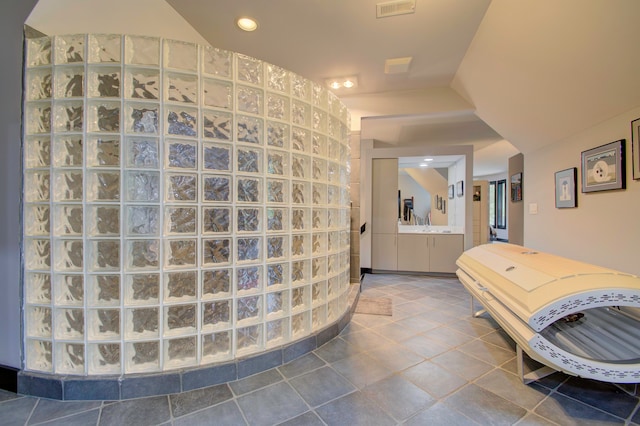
438, 202
566, 189
451, 192
603, 167
635, 147
444, 206
516, 187
460, 188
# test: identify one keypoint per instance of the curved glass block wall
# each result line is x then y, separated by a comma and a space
183, 205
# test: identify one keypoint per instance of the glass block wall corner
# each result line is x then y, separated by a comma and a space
183, 205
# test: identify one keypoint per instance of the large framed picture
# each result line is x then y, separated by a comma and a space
635, 147
603, 167
516, 187
566, 189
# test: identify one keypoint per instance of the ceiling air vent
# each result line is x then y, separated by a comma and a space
393, 8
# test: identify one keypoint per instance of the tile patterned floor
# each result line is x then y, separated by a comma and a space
430, 363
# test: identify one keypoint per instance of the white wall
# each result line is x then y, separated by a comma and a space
605, 227
457, 210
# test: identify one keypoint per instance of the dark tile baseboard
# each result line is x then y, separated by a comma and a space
9, 378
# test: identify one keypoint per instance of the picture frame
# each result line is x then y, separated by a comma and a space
460, 188
566, 188
635, 147
451, 192
516, 187
604, 167
444, 206
438, 202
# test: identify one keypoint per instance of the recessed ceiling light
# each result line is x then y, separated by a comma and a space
348, 84
428, 159
340, 82
424, 165
247, 24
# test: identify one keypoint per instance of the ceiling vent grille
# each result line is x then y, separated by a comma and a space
393, 8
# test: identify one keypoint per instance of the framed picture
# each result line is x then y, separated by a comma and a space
444, 207
438, 202
460, 188
516, 187
603, 167
451, 192
635, 147
566, 189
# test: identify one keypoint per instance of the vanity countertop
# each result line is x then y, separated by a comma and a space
422, 229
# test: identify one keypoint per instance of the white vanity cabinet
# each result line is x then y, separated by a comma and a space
424, 252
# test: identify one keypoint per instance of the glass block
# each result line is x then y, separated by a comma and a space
248, 219
39, 355
248, 160
142, 356
319, 169
248, 338
68, 116
277, 191
216, 314
181, 220
318, 317
181, 55
299, 324
37, 220
300, 139
217, 93
333, 242
300, 87
104, 358
277, 78
277, 303
69, 255
333, 220
38, 51
300, 165
180, 352
333, 195
180, 286
216, 283
38, 84
142, 153
276, 247
299, 298
69, 290
36, 186
141, 118
249, 129
181, 88
277, 107
69, 358
38, 321
103, 116
141, 323
277, 332
248, 249
37, 254
105, 255
216, 220
319, 193
103, 186
319, 144
216, 188
217, 125
249, 69
69, 324
249, 308
334, 128
300, 245
319, 219
142, 289
103, 82
67, 151
141, 50
277, 162
143, 254
37, 152
217, 157
300, 219
333, 172
180, 319
38, 118
249, 190
319, 120
69, 82
180, 253
277, 219
278, 134
104, 48
69, 49
143, 220
38, 287
333, 263
300, 192
181, 121
216, 346
319, 292
319, 243
103, 151
300, 113
300, 271
103, 324
181, 154
248, 278
216, 251
277, 274
103, 290
142, 84
320, 96
332, 286
216, 61
318, 267
142, 186
334, 149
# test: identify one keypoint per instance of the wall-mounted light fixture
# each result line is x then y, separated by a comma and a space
342, 82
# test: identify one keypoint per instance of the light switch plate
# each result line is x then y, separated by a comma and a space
533, 208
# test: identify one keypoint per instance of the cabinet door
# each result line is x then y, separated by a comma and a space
384, 252
444, 250
413, 253
384, 196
